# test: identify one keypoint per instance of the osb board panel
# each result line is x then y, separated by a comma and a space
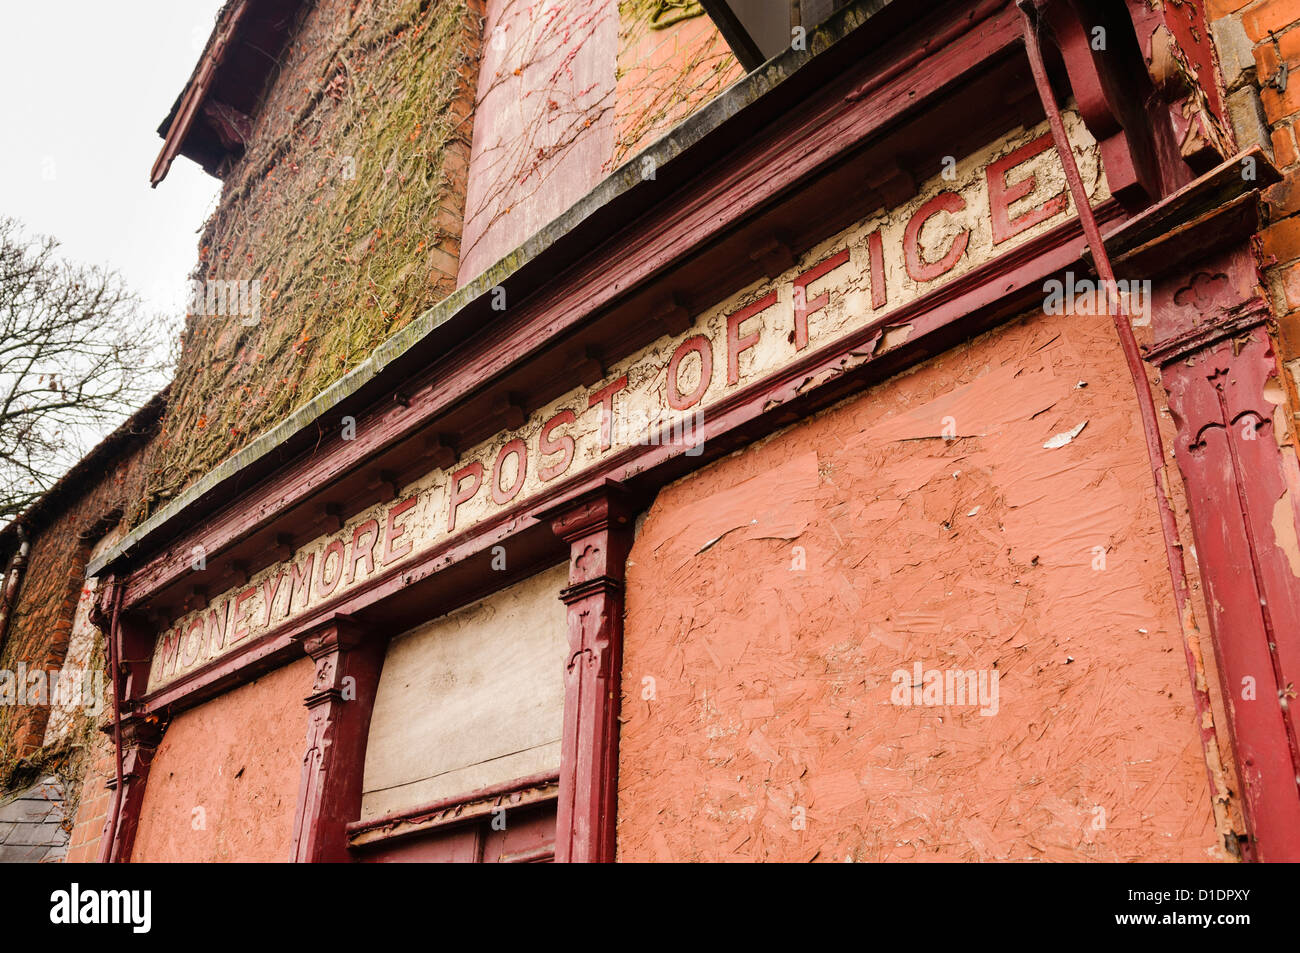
224, 782
758, 722
472, 699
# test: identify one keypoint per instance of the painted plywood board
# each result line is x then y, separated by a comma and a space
471, 699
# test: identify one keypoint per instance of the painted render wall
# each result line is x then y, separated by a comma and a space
239, 759
757, 694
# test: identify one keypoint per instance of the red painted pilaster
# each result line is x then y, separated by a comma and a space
140, 740
348, 663
598, 528
1217, 365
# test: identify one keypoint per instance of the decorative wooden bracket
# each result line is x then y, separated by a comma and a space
441, 451
774, 255
338, 724
673, 315
512, 409
1108, 86
598, 527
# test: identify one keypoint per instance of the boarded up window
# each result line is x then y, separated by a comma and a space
470, 700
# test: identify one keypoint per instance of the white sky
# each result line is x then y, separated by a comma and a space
84, 85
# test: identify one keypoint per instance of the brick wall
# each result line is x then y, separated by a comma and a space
41, 625
1258, 45
346, 208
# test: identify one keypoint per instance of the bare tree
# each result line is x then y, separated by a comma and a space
76, 358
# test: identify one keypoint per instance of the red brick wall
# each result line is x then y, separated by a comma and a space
94, 802
42, 619
1254, 38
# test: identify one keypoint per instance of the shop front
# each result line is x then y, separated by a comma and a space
617, 553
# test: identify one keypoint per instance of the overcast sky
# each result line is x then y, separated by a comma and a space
84, 85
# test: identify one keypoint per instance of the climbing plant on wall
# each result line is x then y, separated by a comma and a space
346, 212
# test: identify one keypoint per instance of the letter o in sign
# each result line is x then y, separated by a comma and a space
334, 548
520, 450
917, 266
700, 345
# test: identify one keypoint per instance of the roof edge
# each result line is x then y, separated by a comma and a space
139, 426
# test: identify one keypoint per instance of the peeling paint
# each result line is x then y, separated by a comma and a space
789, 644
1284, 531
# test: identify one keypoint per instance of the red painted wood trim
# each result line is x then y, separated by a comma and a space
812, 140
140, 739
1234, 473
342, 697
598, 528
447, 811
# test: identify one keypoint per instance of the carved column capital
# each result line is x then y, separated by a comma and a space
324, 644
598, 526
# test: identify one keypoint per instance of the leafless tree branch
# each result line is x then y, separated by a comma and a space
77, 356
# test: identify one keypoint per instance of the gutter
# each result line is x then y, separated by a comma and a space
108, 839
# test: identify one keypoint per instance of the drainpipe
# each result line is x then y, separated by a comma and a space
13, 580
107, 853
1150, 421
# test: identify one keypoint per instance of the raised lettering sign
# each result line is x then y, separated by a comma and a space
999, 198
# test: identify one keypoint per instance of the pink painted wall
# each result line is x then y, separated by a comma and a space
224, 783
772, 596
